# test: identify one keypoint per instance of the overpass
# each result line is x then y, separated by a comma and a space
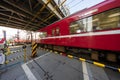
29, 14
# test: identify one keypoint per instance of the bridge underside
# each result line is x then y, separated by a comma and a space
28, 14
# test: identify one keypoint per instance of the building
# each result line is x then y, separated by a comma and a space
64, 8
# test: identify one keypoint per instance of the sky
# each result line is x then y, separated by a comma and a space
10, 32
74, 6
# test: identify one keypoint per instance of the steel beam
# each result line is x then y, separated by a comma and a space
37, 14
20, 20
12, 21
49, 16
23, 13
18, 7
14, 26
30, 5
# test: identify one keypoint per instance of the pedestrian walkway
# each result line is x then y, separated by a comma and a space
13, 69
57, 67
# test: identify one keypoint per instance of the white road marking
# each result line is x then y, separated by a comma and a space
85, 72
38, 58
42, 56
28, 72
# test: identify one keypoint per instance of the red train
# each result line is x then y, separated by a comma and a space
95, 30
2, 42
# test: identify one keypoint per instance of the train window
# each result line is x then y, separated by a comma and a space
89, 24
106, 20
53, 32
43, 34
77, 27
57, 31
95, 23
84, 24
73, 27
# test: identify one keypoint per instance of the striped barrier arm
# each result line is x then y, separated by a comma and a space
89, 61
70, 56
13, 59
119, 69
98, 64
13, 52
81, 59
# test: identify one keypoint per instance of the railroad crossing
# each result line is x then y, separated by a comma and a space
50, 65
50, 57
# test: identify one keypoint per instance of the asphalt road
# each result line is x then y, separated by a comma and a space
51, 66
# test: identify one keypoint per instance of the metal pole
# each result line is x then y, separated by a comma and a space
31, 37
25, 55
5, 46
4, 33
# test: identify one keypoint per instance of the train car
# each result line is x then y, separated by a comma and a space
2, 43
95, 30
27, 38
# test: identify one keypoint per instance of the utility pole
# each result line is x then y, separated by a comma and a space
18, 37
31, 37
5, 47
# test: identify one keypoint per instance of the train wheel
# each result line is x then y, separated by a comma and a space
111, 57
94, 56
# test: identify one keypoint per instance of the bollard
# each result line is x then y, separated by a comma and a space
25, 56
8, 51
34, 49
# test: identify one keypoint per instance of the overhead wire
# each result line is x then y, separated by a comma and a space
70, 2
76, 4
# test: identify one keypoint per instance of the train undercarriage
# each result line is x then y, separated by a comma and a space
97, 55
